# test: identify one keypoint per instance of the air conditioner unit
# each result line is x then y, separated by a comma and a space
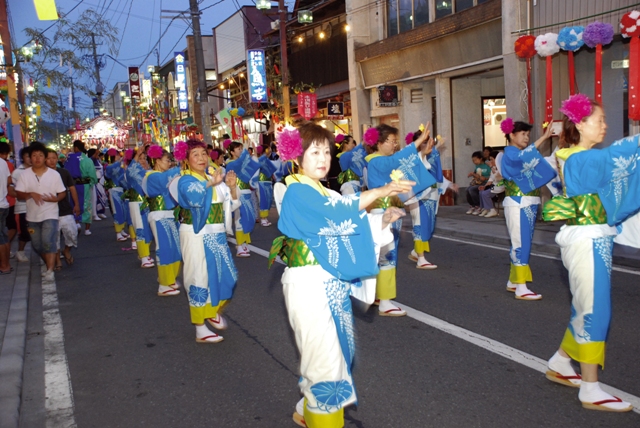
275, 24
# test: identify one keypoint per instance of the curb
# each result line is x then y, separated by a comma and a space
13, 347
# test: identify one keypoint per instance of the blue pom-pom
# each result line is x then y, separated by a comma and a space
570, 38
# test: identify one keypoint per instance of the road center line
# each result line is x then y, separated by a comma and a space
58, 404
491, 345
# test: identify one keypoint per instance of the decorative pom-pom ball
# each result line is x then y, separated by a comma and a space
598, 33
525, 47
289, 143
180, 150
234, 112
155, 152
577, 107
339, 138
630, 24
226, 143
547, 44
371, 136
214, 155
507, 126
241, 111
409, 138
570, 38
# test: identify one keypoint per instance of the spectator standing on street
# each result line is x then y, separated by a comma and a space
489, 190
479, 177
42, 189
84, 173
66, 212
524, 170
5, 251
601, 196
12, 225
21, 205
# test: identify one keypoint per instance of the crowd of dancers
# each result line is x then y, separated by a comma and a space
340, 206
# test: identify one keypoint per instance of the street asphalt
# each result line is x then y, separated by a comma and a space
133, 361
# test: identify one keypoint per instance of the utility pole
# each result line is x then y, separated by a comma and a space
203, 93
283, 60
96, 64
16, 119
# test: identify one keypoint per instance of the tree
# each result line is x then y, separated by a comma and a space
64, 60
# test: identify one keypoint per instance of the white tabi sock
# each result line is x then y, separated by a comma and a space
386, 305
590, 392
202, 331
561, 364
300, 407
522, 289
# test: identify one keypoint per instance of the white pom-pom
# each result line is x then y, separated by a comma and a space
547, 44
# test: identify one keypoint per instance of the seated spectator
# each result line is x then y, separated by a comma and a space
480, 176
489, 190
486, 153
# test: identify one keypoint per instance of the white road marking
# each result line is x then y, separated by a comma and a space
59, 405
491, 345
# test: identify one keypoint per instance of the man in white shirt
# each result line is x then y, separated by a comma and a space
21, 206
42, 188
5, 181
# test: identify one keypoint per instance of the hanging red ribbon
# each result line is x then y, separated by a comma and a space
572, 74
549, 94
634, 79
599, 73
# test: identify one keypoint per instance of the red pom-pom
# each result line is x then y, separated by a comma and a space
371, 136
630, 24
525, 46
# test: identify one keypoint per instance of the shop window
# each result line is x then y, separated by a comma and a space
405, 15
494, 112
416, 95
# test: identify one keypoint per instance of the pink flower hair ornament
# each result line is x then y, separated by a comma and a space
409, 138
180, 150
226, 143
576, 107
128, 154
259, 150
155, 152
214, 155
112, 152
371, 137
507, 126
289, 143
339, 138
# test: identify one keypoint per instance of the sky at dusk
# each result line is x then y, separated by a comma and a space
142, 31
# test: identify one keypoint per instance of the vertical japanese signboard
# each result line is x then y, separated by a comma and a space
307, 105
257, 76
134, 84
181, 81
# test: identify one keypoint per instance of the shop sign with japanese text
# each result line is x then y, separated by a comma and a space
181, 81
307, 105
257, 75
134, 84
335, 110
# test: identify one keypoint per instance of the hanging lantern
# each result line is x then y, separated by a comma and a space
547, 46
570, 40
305, 16
595, 35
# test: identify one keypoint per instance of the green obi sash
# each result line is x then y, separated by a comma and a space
216, 216
346, 176
578, 210
294, 252
386, 202
512, 189
157, 203
263, 177
242, 185
132, 195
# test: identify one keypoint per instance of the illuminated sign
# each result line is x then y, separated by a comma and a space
257, 75
181, 81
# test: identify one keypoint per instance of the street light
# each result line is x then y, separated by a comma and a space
123, 94
263, 4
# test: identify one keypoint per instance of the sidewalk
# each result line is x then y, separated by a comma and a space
14, 295
453, 222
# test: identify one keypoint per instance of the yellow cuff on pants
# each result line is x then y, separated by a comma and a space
167, 273
119, 227
520, 274
421, 246
242, 238
588, 353
386, 283
143, 249
132, 232
323, 420
264, 214
200, 313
